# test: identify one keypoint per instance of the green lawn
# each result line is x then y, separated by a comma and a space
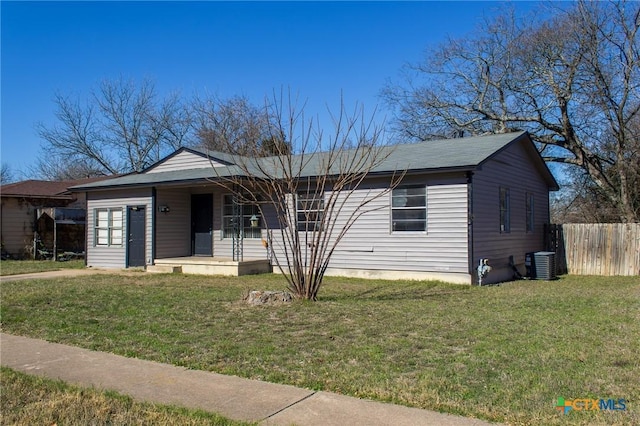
502, 353
30, 400
14, 267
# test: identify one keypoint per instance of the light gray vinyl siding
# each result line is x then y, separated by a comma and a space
253, 247
115, 257
371, 245
512, 169
184, 160
173, 229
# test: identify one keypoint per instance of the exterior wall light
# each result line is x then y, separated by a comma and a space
253, 220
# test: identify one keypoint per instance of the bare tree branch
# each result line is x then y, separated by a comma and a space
314, 189
122, 127
571, 80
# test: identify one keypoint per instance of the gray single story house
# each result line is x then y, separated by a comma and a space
461, 200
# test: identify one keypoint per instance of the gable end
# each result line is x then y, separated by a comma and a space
185, 158
534, 155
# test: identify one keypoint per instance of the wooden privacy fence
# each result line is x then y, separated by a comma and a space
595, 248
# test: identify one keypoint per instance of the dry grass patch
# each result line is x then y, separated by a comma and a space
30, 400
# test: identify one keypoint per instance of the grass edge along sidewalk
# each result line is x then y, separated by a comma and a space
28, 399
19, 267
234, 397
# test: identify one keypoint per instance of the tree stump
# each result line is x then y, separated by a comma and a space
259, 297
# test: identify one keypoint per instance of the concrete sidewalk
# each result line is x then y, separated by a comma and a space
65, 273
232, 397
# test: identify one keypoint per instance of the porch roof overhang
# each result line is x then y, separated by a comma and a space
176, 177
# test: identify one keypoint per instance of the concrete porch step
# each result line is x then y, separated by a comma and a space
210, 266
164, 269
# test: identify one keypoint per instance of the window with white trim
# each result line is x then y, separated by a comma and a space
505, 210
409, 209
247, 211
108, 229
310, 210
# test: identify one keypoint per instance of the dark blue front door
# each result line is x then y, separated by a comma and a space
136, 236
202, 224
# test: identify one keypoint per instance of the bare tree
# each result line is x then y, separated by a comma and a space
582, 201
237, 126
56, 168
572, 81
6, 174
121, 128
314, 187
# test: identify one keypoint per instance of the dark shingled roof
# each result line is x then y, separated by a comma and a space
44, 188
436, 155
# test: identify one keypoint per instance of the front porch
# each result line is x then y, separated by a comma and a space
203, 265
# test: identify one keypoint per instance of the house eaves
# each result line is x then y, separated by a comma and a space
42, 189
438, 156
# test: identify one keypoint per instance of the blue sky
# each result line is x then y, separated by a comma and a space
317, 50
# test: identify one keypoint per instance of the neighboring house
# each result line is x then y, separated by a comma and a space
42, 214
461, 200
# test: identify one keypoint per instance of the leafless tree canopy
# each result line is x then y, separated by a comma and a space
313, 187
571, 80
237, 126
582, 201
58, 168
6, 174
122, 127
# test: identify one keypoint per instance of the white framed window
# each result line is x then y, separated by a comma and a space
247, 211
310, 210
505, 210
530, 211
108, 228
409, 209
